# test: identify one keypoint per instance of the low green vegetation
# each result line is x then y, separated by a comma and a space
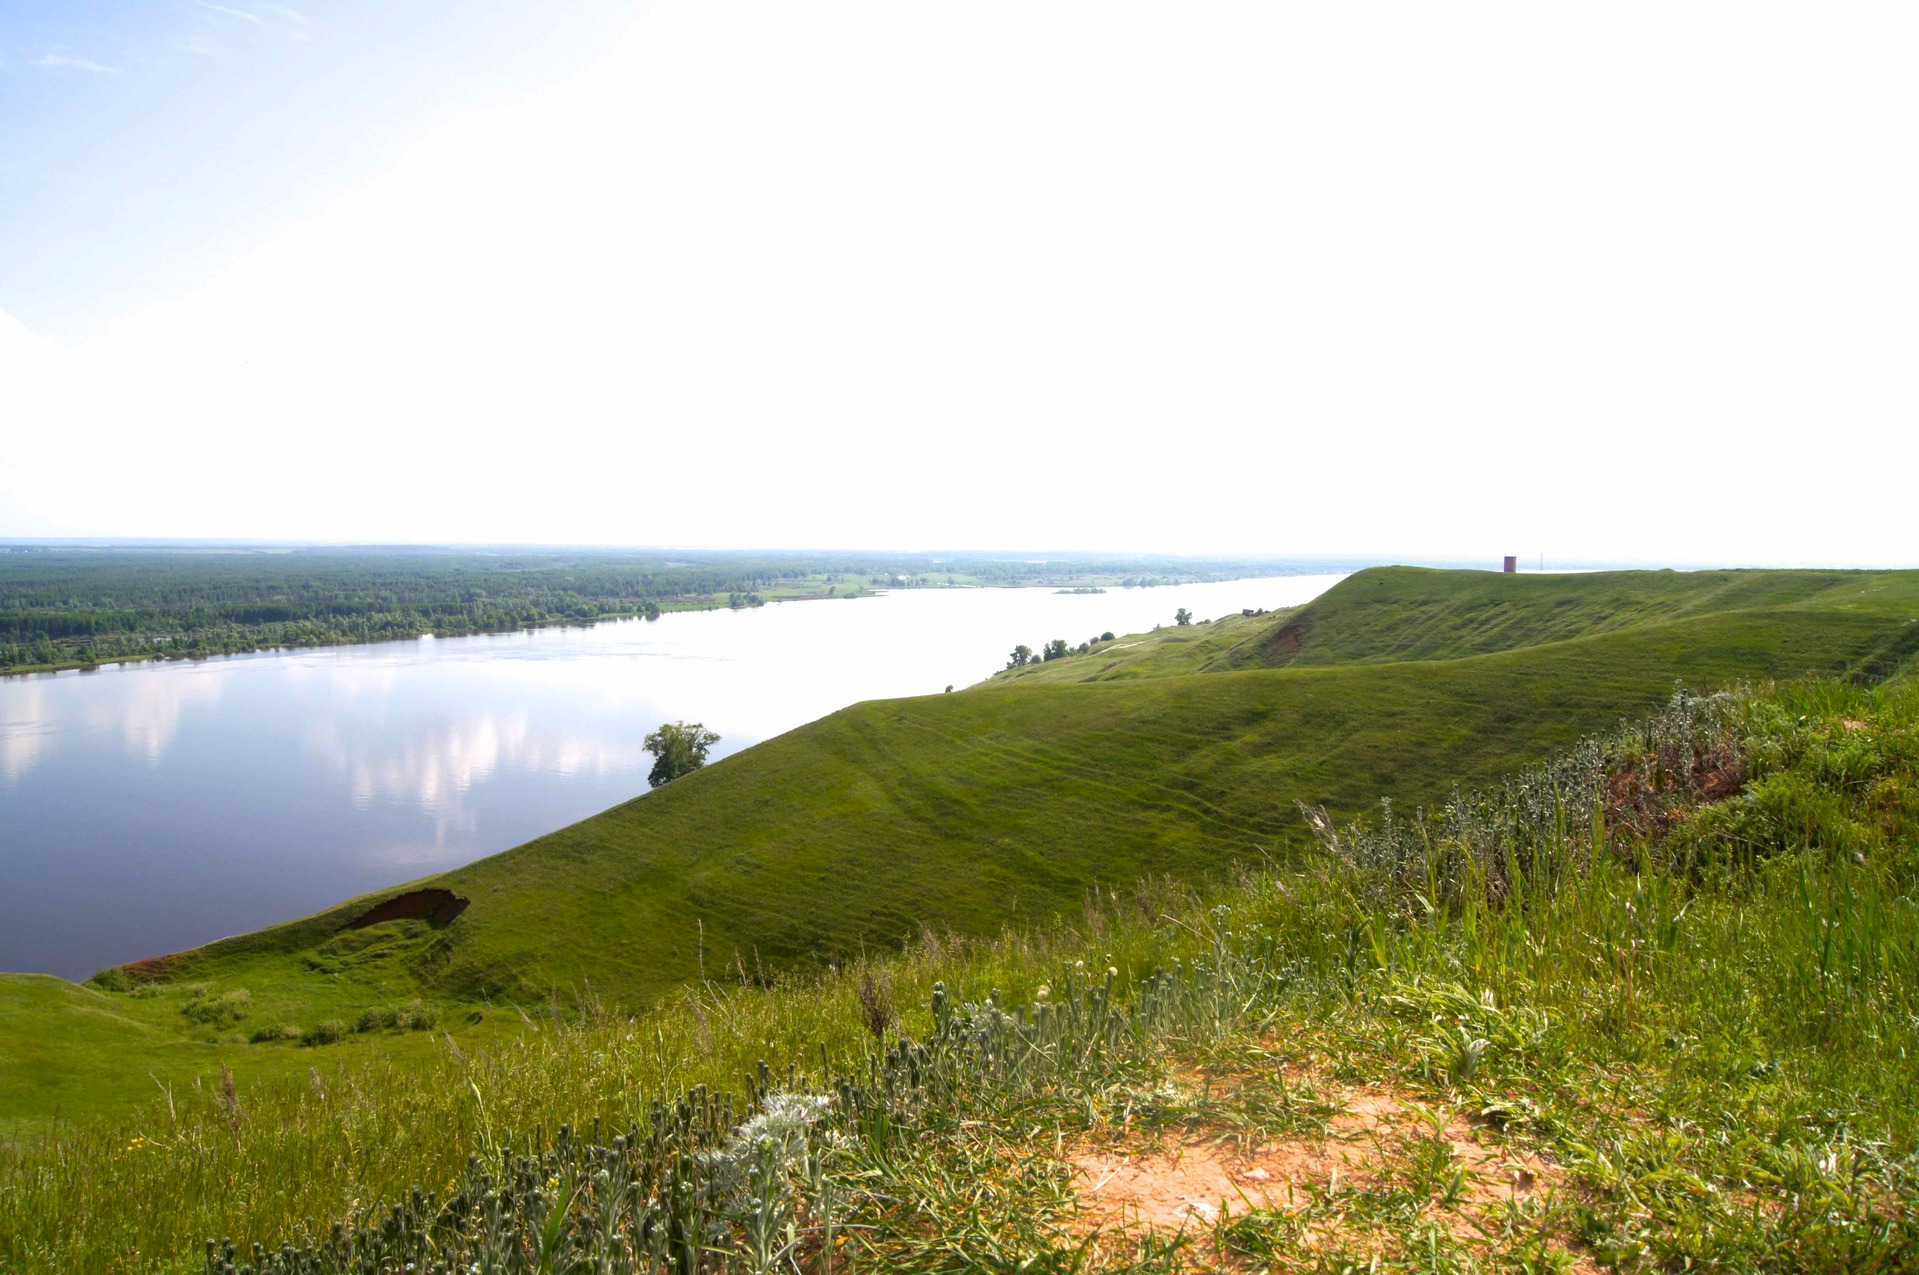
221, 1010
1650, 1005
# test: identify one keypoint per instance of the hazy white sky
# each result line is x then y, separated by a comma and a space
1626, 281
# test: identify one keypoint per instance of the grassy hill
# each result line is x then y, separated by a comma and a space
1006, 802
1678, 1031
1396, 614
1410, 613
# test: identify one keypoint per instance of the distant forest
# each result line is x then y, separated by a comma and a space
65, 606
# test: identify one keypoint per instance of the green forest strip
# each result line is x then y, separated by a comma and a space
76, 607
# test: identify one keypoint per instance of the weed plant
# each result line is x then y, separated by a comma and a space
221, 1010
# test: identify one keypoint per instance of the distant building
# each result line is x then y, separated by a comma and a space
1512, 564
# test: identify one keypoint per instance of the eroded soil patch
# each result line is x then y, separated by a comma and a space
1380, 1166
435, 906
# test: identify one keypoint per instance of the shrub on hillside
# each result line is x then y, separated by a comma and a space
412, 1016
326, 1033
219, 1011
112, 979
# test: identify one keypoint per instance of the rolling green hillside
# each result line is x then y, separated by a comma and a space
1005, 801
59, 1039
1009, 800
1394, 614
962, 811
1679, 1035
1411, 613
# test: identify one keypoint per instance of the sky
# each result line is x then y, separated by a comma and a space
1633, 282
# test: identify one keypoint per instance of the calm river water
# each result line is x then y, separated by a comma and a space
145, 808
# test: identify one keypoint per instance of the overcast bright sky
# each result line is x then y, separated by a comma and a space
1627, 281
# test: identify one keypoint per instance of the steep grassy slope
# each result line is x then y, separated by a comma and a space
1004, 802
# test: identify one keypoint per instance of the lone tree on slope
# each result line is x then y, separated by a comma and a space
1182, 617
678, 748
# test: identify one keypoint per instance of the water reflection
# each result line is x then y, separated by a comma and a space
144, 714
436, 761
24, 731
149, 718
146, 808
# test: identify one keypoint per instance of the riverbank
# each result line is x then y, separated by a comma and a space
653, 612
65, 607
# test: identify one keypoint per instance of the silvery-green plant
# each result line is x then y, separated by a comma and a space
1544, 823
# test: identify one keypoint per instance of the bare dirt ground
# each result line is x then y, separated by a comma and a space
1380, 1166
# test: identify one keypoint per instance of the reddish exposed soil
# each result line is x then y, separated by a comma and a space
151, 969
1285, 642
1648, 805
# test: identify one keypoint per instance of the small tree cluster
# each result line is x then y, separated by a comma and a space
678, 748
1057, 649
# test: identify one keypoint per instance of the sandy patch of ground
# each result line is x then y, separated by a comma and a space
1374, 1147
1199, 1178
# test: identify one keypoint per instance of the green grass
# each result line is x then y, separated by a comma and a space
1003, 803
77, 1054
1412, 613
1704, 1040
64, 1042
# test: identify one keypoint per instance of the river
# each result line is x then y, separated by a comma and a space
146, 808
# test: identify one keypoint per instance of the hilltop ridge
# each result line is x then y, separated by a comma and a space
1398, 614
1415, 613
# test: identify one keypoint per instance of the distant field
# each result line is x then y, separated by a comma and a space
1005, 802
